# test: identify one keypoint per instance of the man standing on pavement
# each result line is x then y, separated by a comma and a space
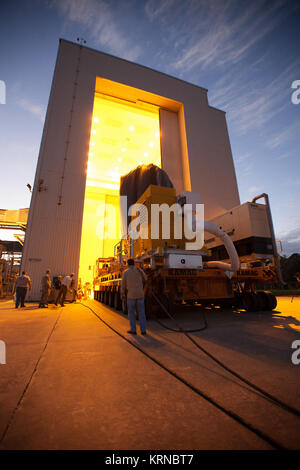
46, 286
133, 281
21, 285
74, 290
65, 285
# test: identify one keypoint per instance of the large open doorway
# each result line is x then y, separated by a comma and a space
123, 136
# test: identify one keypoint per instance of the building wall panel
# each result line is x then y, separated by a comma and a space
171, 148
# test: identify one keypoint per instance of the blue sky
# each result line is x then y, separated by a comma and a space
247, 54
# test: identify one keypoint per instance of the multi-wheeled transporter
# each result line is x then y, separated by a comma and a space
239, 254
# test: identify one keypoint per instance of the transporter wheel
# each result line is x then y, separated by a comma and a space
111, 298
258, 304
249, 302
272, 301
117, 301
253, 302
238, 300
225, 303
264, 300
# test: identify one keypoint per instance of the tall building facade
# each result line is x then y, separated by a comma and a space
106, 116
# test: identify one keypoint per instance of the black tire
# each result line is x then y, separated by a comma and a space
238, 300
249, 302
258, 305
117, 301
225, 303
264, 300
272, 301
111, 300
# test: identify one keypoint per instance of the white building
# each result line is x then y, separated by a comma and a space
105, 116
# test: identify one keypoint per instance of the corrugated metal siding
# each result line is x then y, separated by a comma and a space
54, 231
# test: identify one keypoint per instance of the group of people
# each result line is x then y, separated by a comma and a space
61, 285
132, 289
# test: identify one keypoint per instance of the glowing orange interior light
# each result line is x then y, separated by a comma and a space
120, 136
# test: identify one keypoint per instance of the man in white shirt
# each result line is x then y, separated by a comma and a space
65, 285
21, 285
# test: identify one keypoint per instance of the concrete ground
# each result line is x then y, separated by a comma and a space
70, 382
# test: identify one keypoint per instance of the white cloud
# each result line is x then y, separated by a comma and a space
155, 8
245, 170
99, 18
283, 156
243, 158
250, 104
291, 132
254, 190
224, 33
35, 109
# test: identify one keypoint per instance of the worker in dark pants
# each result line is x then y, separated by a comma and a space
22, 283
74, 290
65, 285
57, 285
46, 286
133, 281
